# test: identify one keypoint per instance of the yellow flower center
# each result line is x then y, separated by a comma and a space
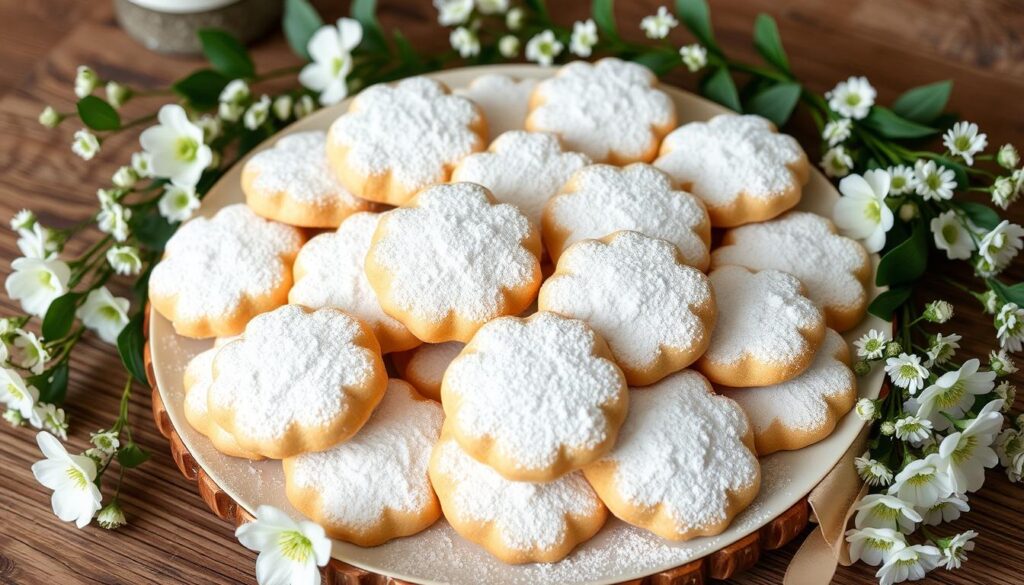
77, 477
295, 546
873, 211
186, 148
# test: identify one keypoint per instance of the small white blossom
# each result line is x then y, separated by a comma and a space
873, 546
1001, 363
942, 348
885, 511
283, 107
694, 56
871, 471
1001, 245
923, 482
933, 182
1009, 323
910, 563
49, 117
837, 162
836, 131
584, 37
117, 94
508, 46
453, 12
85, 144
963, 140
86, 81
178, 203
953, 393
14, 418
105, 441
657, 26
887, 428
514, 18
257, 113
176, 147
71, 477
289, 551
914, 430
871, 345
465, 42
543, 48
125, 177
235, 92
951, 236
35, 283
108, 197
861, 213
54, 419
304, 106
938, 312
955, 552
902, 180
29, 351
331, 50
142, 162
38, 242
945, 510
906, 371
1008, 157
23, 220
230, 112
104, 313
852, 98
492, 6
19, 397
866, 410
111, 517
113, 219
212, 126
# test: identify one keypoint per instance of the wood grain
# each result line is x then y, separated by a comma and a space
172, 537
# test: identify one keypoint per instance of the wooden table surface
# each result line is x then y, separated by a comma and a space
172, 537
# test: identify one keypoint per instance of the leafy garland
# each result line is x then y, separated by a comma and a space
938, 411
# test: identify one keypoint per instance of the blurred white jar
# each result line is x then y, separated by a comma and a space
170, 26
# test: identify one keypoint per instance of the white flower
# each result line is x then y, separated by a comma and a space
923, 482
902, 179
492, 6
953, 393
105, 441
1001, 245
104, 313
1004, 192
657, 26
257, 113
1006, 392
871, 345
694, 56
950, 235
38, 242
866, 410
945, 510
885, 511
990, 301
282, 107
117, 94
49, 117
14, 418
19, 396
955, 552
124, 259
113, 219
23, 220
230, 112
125, 177
933, 182
36, 283
964, 141
1001, 363
938, 312
178, 203
176, 147
837, 162
852, 98
584, 37
211, 126
331, 51
908, 564
508, 46
837, 131
969, 451
1009, 322
914, 430
942, 348
29, 351
906, 371
514, 18
236, 91
142, 162
871, 471
861, 213
1007, 157
85, 144
86, 81
111, 517
873, 546
543, 48
54, 419
452, 12
71, 477
1009, 446
289, 551
465, 42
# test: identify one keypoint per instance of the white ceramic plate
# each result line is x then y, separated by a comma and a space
438, 555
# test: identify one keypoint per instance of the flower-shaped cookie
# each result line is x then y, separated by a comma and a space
373, 487
522, 168
835, 270
518, 522
291, 183
504, 100
608, 110
218, 273
424, 367
329, 273
767, 330
297, 381
601, 199
804, 410
535, 398
451, 260
655, 312
739, 165
684, 464
396, 139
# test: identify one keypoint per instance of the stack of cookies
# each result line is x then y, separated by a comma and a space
563, 338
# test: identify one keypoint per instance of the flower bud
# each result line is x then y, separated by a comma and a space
938, 311
117, 94
908, 211
862, 368
283, 107
86, 81
893, 349
1007, 157
887, 428
866, 410
125, 177
508, 46
49, 117
514, 18
111, 516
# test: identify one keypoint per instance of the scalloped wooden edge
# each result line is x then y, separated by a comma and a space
721, 564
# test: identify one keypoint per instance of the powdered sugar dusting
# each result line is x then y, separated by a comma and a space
522, 168
504, 100
610, 106
297, 166
430, 361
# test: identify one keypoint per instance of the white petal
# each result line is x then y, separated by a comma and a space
272, 568
174, 117
855, 186
257, 536
156, 138
49, 473
335, 91
350, 33
315, 76
51, 447
849, 217
324, 46
879, 182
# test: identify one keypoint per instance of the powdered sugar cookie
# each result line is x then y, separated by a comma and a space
451, 260
739, 165
218, 273
518, 522
834, 269
424, 367
522, 168
373, 487
396, 139
804, 410
655, 312
297, 381
329, 273
291, 183
535, 398
684, 464
608, 110
504, 100
601, 199
767, 330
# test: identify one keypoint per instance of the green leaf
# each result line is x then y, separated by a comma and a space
906, 262
202, 88
1012, 293
891, 125
603, 12
540, 7
659, 62
365, 11
52, 384
300, 22
696, 16
886, 303
923, 103
226, 54
98, 114
406, 51
775, 103
60, 316
981, 215
131, 455
720, 87
769, 44
130, 344
152, 230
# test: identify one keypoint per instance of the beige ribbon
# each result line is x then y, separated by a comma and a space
832, 503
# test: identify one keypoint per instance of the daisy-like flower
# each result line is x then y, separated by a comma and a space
257, 113
657, 26
85, 144
584, 37
54, 419
113, 219
452, 12
1001, 363
933, 182
543, 48
969, 451
508, 46
124, 259
874, 546
938, 312
86, 81
942, 348
837, 162
885, 511
1009, 323
907, 372
178, 203
465, 42
923, 482
945, 510
950, 235
861, 213
1007, 156
492, 6
1006, 392
29, 351
910, 563
176, 147
866, 410
914, 430
331, 51
694, 56
1001, 245
104, 313
71, 477
35, 283
235, 92
514, 18
111, 516
852, 98
837, 131
902, 180
18, 396
963, 140
50, 118
1004, 192
289, 551
871, 345
954, 553
142, 162
871, 471
953, 393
